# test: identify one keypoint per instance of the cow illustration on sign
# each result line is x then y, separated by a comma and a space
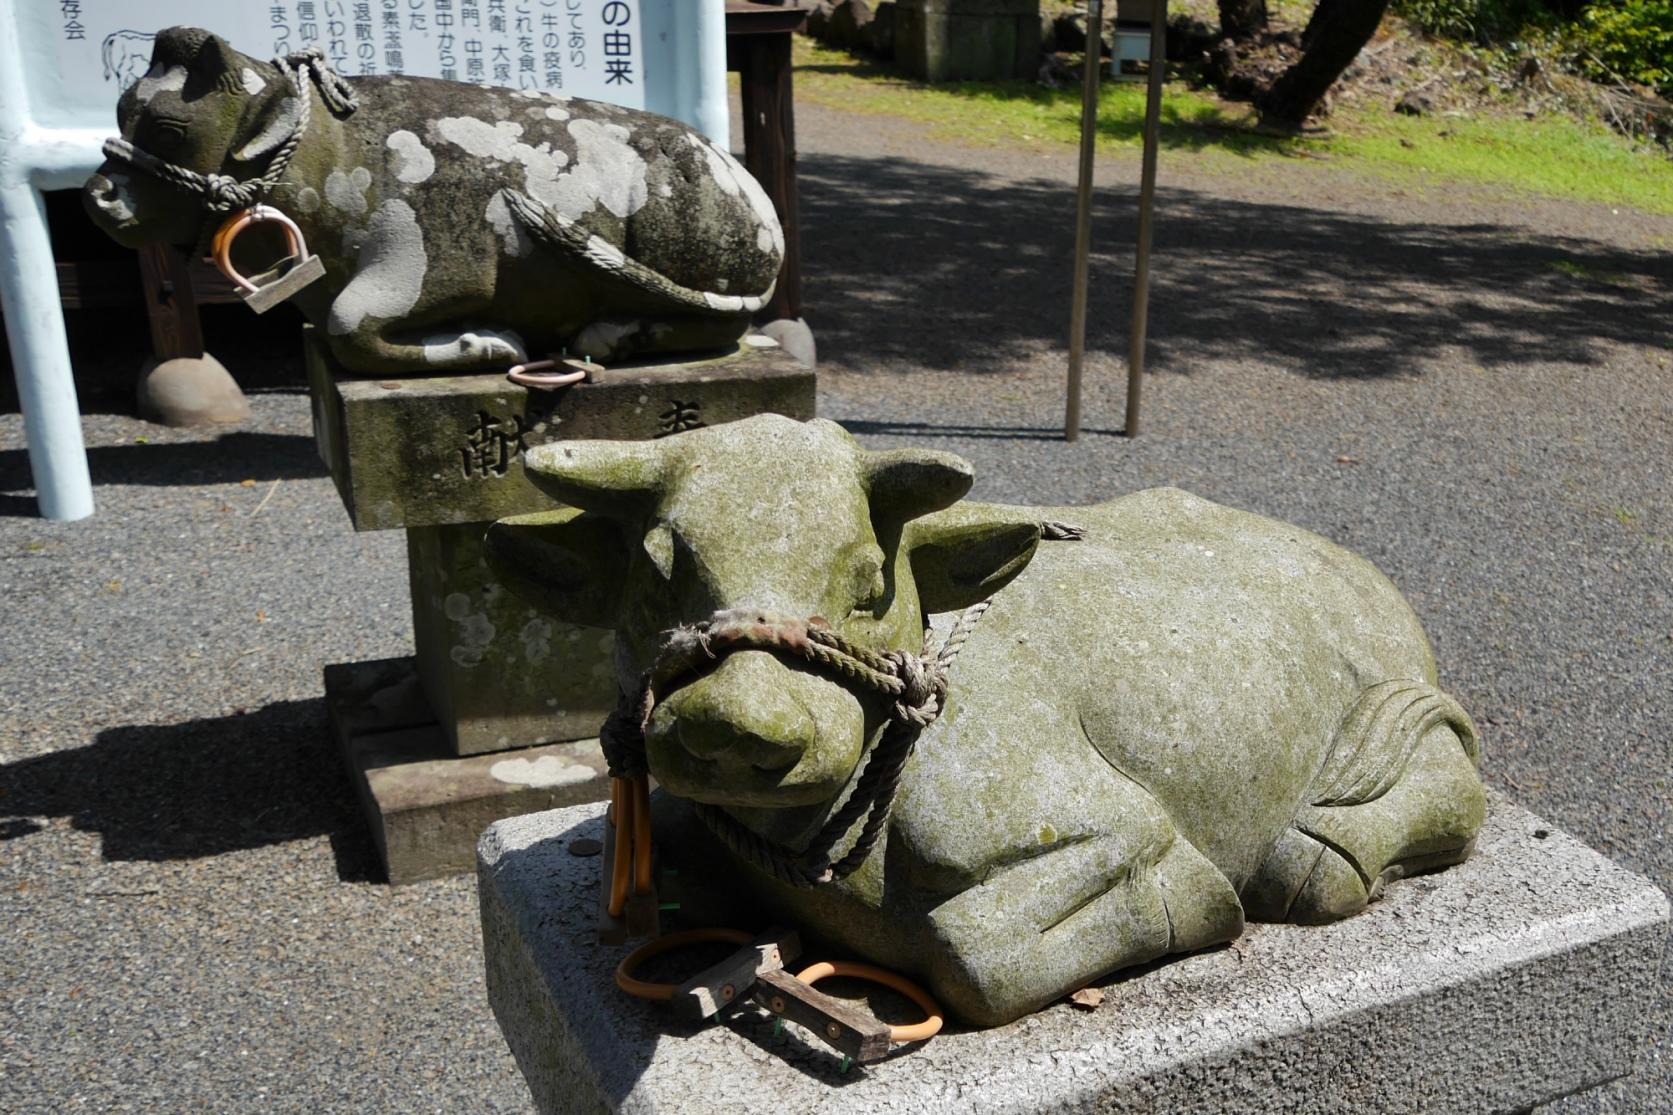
460, 227
126, 56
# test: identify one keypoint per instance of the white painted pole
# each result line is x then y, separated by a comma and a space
708, 84
41, 356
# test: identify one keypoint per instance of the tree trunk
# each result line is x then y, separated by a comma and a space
1334, 37
1242, 19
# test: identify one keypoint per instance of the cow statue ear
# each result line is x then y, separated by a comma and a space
906, 483
965, 554
274, 116
568, 563
619, 479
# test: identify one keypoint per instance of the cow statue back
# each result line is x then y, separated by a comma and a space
460, 227
1170, 719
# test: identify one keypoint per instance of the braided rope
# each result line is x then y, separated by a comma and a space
222, 193
917, 684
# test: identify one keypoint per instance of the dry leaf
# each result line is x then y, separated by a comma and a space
246, 483
1347, 460
1088, 998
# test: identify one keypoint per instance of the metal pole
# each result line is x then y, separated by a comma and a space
1147, 200
1083, 210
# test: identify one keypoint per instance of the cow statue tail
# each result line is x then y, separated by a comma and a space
565, 236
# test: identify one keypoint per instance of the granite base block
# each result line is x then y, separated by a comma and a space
1522, 976
425, 805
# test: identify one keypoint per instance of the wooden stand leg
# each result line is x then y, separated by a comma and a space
170, 306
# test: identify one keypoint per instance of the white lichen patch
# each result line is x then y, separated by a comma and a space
475, 631
158, 80
601, 337
307, 200
553, 112
607, 172
502, 141
507, 227
389, 270
542, 773
536, 637
408, 159
120, 205
474, 348
346, 190
251, 81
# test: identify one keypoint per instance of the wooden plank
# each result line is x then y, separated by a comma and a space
848, 1030
98, 284
703, 995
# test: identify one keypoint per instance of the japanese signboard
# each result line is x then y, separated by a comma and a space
581, 48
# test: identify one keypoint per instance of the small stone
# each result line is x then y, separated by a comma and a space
794, 336
1414, 103
585, 847
190, 391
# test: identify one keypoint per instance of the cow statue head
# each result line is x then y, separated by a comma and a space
201, 106
770, 514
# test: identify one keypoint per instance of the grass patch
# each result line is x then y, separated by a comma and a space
1556, 157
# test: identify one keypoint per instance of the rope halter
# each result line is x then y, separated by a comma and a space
222, 193
915, 684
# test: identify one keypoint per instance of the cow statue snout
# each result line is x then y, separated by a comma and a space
756, 732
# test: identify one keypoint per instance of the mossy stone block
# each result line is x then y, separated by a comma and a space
968, 40
441, 450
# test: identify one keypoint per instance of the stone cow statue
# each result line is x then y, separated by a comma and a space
1190, 716
461, 227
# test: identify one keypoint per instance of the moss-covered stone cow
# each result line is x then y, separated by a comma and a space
1190, 716
461, 227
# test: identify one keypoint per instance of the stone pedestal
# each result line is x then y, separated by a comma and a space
442, 458
968, 40
1526, 974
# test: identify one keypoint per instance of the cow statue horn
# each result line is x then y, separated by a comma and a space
608, 477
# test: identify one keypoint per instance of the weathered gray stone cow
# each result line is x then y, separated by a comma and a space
1189, 716
461, 227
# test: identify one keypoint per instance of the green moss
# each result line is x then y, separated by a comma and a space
1553, 157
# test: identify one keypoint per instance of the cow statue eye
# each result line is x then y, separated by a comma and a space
168, 134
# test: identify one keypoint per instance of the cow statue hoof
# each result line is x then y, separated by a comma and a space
449, 227
1172, 716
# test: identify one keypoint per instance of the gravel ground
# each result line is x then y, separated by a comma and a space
1469, 388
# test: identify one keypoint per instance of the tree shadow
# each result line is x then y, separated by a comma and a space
952, 269
231, 457
200, 788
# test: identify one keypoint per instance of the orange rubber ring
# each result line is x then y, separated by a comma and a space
641, 989
928, 1028
221, 245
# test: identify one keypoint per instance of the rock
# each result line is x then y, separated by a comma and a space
794, 336
850, 25
1414, 103
190, 391
881, 37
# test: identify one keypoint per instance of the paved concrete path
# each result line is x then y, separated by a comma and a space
1472, 390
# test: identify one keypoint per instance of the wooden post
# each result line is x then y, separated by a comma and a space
1147, 201
770, 151
1083, 211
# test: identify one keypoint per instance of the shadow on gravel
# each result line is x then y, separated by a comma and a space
914, 264
954, 430
197, 789
226, 460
